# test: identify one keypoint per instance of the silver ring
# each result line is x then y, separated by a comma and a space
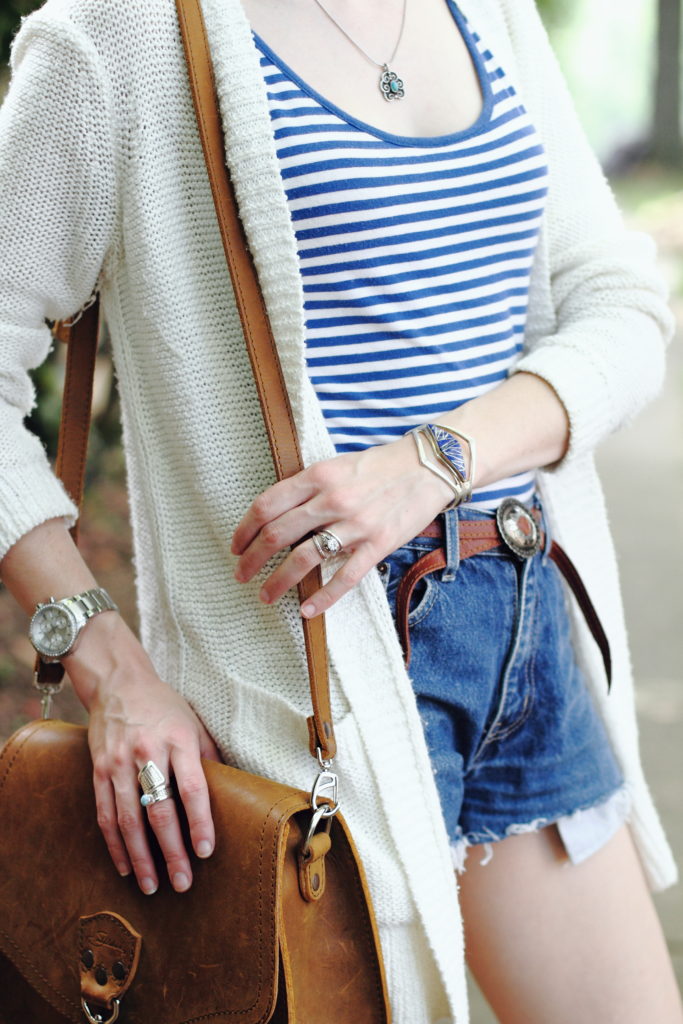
327, 544
154, 784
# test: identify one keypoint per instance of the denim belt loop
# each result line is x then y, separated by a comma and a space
451, 544
548, 539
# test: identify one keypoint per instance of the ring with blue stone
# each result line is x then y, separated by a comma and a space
154, 784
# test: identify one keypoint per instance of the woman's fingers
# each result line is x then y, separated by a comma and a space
300, 562
129, 817
163, 818
373, 500
122, 818
194, 793
345, 579
275, 536
186, 776
296, 565
108, 823
273, 503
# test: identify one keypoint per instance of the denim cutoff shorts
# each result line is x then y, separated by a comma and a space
515, 740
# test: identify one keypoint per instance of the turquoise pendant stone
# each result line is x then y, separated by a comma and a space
390, 85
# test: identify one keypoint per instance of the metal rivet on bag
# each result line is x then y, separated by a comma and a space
118, 970
87, 959
101, 976
315, 883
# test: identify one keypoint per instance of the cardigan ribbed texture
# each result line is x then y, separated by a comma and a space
103, 183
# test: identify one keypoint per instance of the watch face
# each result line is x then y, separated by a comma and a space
53, 630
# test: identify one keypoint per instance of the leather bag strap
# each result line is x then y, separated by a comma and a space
263, 354
81, 337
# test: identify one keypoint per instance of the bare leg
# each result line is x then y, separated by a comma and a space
554, 943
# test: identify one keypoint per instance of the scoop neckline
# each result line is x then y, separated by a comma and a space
426, 141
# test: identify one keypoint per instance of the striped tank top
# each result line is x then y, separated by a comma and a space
415, 254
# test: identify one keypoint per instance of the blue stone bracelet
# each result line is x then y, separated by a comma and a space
450, 447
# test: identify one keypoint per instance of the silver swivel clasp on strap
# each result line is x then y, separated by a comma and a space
324, 798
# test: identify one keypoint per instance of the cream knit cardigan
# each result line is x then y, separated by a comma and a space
102, 181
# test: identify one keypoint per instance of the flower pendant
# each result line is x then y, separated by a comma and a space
390, 85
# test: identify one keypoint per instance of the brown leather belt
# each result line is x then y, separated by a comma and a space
475, 537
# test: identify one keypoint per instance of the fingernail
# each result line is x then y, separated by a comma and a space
264, 596
239, 576
123, 870
204, 848
181, 882
148, 886
308, 609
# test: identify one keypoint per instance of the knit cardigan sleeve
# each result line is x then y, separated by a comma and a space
57, 214
604, 355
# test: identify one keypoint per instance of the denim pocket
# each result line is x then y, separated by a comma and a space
424, 596
426, 591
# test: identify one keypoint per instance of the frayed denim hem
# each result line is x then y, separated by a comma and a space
583, 832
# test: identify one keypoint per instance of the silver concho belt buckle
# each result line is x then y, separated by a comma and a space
518, 528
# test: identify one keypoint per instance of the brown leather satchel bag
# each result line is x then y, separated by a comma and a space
278, 925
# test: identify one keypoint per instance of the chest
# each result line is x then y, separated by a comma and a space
442, 86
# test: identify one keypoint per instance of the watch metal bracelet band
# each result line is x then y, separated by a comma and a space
90, 602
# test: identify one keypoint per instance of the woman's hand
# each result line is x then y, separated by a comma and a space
135, 718
373, 500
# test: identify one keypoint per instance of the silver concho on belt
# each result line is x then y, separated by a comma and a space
518, 528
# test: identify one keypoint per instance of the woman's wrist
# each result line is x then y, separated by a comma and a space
437, 493
519, 425
105, 646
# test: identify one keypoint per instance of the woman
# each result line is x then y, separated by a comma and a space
104, 186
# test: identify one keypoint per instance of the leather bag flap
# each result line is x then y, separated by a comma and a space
211, 953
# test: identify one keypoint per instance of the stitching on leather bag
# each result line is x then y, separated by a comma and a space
26, 961
348, 856
218, 1013
16, 754
59, 1008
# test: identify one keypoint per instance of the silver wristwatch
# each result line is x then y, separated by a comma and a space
56, 625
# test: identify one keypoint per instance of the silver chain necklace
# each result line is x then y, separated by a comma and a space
390, 85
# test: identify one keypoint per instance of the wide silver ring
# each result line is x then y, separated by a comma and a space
155, 795
154, 784
327, 544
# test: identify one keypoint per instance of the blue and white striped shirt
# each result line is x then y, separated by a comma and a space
415, 254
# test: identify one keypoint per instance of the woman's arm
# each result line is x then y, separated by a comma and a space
57, 223
377, 499
58, 216
134, 716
